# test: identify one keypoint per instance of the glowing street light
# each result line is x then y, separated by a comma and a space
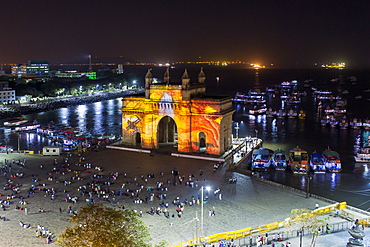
237, 130
202, 210
308, 178
19, 143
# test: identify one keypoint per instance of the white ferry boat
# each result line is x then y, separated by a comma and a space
317, 163
15, 122
278, 160
332, 161
261, 159
363, 155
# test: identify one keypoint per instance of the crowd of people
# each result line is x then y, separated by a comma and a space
78, 183
38, 192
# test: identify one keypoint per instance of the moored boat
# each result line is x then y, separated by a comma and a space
298, 160
332, 161
27, 126
317, 163
278, 160
261, 159
253, 96
15, 122
363, 155
257, 109
6, 148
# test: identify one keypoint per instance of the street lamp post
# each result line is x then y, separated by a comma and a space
19, 143
237, 130
308, 186
202, 211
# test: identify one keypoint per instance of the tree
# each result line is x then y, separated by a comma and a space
97, 225
305, 218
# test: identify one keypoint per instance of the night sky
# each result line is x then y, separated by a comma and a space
281, 32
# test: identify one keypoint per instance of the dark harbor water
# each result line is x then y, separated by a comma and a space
352, 185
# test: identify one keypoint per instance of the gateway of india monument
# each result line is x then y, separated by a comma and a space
179, 115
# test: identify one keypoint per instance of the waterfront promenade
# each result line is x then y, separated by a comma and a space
13, 110
249, 202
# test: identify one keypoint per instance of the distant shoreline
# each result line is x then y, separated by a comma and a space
52, 104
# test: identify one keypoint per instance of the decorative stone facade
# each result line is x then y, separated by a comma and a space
178, 114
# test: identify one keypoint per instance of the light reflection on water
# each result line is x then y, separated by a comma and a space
82, 111
333, 183
96, 118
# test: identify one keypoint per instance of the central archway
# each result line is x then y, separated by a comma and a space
167, 131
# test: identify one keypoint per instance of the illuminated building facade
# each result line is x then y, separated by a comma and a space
31, 69
75, 74
334, 66
178, 114
7, 95
120, 69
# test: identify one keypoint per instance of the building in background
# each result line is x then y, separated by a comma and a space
120, 69
33, 69
76, 75
334, 66
7, 94
2, 71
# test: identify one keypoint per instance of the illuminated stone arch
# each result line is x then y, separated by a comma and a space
166, 131
177, 113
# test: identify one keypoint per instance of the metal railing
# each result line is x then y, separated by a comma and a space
281, 235
259, 231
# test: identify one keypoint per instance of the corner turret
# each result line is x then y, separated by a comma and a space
201, 76
185, 79
148, 82
167, 76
